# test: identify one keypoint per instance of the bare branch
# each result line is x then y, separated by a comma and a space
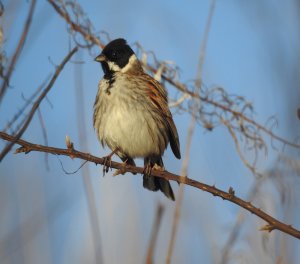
87, 36
230, 196
17, 53
37, 103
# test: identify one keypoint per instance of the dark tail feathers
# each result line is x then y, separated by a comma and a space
154, 184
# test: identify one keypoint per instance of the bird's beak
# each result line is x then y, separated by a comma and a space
100, 58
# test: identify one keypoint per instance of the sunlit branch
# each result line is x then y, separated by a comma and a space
272, 223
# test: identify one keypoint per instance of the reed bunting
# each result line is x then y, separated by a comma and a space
131, 114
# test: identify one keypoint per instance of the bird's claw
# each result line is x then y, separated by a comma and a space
148, 168
106, 164
122, 170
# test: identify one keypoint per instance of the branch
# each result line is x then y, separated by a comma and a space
230, 196
37, 103
87, 36
18, 51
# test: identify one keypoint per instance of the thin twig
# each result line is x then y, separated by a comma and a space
191, 130
75, 26
272, 223
23, 108
154, 233
37, 103
204, 44
70, 172
17, 53
45, 136
251, 167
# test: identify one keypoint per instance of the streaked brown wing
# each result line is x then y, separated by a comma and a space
159, 98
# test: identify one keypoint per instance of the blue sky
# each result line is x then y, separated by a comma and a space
252, 51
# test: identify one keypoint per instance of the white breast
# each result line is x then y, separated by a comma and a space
123, 120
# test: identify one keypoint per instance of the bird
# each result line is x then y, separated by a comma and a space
131, 114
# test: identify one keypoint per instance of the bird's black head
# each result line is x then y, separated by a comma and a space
115, 56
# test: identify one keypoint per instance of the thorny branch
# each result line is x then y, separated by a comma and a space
17, 53
37, 103
216, 105
272, 223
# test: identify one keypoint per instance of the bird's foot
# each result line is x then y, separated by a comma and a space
158, 167
107, 162
148, 168
122, 170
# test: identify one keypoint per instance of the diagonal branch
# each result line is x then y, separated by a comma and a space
75, 26
17, 53
37, 103
272, 223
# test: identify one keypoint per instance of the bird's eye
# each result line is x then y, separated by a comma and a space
114, 54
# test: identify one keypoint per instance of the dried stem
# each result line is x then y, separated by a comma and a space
45, 136
37, 103
17, 53
87, 36
191, 130
154, 233
272, 223
238, 148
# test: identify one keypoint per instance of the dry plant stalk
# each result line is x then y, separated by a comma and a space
154, 233
192, 125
